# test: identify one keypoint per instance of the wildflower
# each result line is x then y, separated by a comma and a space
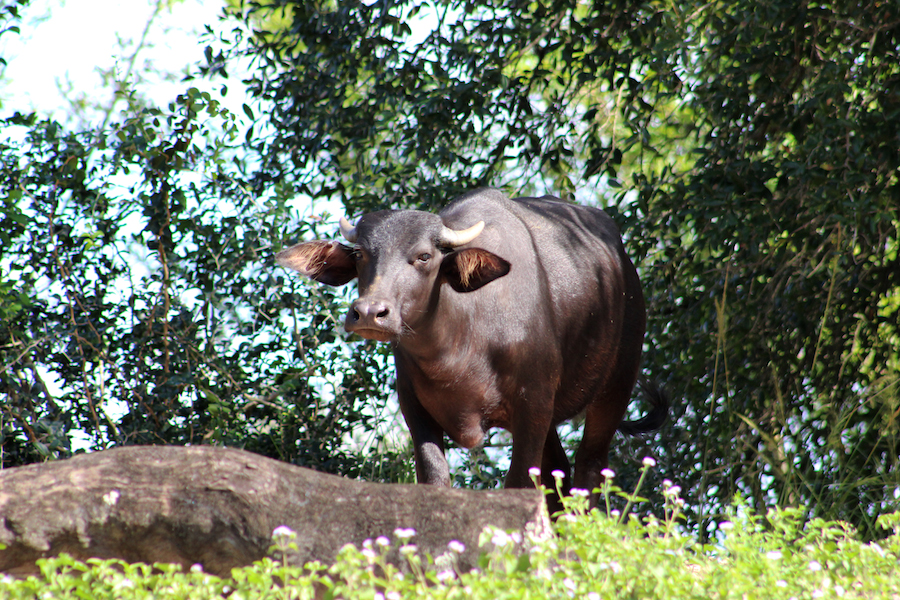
393, 596
408, 549
667, 483
123, 584
196, 568
457, 547
283, 531
593, 596
608, 473
500, 538
649, 461
726, 525
774, 554
579, 492
557, 474
382, 541
444, 576
534, 472
404, 534
672, 490
815, 565
781, 583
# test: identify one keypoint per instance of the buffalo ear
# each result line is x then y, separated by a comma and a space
472, 268
328, 262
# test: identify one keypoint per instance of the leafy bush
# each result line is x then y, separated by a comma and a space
595, 554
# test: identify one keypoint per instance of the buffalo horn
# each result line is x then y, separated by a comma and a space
348, 230
453, 238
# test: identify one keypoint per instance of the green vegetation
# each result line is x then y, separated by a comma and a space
594, 555
749, 151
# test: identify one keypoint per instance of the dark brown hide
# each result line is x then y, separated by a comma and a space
542, 317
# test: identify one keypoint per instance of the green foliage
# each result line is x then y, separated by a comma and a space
750, 152
592, 555
140, 305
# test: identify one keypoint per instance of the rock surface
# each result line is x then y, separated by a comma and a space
218, 507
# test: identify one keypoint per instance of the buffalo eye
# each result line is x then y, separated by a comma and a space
424, 257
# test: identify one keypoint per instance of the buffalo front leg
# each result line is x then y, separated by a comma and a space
531, 426
428, 440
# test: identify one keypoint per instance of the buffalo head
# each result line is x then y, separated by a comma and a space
402, 258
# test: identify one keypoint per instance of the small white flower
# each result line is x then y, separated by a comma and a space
557, 474
516, 537
672, 490
500, 538
579, 492
379, 596
445, 575
123, 584
839, 590
726, 525
111, 498
616, 567
818, 593
534, 472
393, 596
649, 461
408, 549
781, 583
774, 555
593, 596
283, 531
404, 534
616, 513
382, 541
196, 568
667, 483
815, 565
456, 546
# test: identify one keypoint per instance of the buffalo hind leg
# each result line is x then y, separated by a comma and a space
593, 452
555, 459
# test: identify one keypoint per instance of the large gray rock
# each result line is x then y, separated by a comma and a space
218, 507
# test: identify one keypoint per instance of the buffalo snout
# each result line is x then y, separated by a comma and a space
372, 319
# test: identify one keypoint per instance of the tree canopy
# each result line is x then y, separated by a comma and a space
749, 151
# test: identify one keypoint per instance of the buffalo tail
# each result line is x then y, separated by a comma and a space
654, 419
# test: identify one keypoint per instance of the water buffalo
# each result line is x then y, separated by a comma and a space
514, 313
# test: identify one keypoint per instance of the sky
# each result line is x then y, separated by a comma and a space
70, 40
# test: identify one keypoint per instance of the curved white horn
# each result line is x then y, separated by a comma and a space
455, 238
348, 230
